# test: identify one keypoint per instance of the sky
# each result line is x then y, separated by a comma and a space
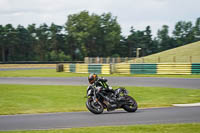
136, 13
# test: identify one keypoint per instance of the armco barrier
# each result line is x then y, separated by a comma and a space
81, 68
87, 68
125, 68
105, 69
135, 68
172, 68
122, 68
196, 68
94, 68
143, 68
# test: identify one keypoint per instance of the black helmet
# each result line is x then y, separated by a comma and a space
92, 78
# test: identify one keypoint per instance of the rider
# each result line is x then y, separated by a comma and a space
101, 82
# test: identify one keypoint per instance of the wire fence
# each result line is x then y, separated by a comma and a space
158, 59
107, 60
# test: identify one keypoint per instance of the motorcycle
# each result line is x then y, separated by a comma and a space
99, 99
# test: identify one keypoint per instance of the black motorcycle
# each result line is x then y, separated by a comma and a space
100, 98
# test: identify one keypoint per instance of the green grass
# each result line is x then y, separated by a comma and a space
53, 73
21, 99
157, 128
39, 73
181, 53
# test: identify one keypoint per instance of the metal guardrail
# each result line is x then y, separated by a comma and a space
156, 59
107, 60
86, 68
127, 68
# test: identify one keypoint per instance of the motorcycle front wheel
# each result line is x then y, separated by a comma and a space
94, 107
131, 105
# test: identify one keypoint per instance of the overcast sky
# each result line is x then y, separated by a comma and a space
136, 13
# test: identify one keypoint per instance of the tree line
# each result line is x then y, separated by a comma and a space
89, 35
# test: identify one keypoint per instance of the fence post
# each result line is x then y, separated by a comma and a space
126, 59
174, 59
190, 59
158, 59
96, 60
108, 60
113, 60
86, 60
118, 60
111, 68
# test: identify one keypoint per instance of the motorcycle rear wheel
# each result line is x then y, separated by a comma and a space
132, 106
96, 108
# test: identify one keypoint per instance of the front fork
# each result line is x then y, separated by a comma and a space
95, 98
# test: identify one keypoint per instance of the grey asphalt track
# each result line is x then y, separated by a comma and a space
113, 81
14, 69
87, 119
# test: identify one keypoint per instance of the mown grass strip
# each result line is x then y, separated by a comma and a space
53, 73
157, 128
22, 99
183, 54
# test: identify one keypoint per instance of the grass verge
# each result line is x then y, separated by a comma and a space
157, 128
53, 73
183, 54
22, 99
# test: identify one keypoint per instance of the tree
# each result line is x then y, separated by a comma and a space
197, 30
92, 35
42, 45
140, 39
77, 27
131, 42
121, 48
23, 48
8, 36
183, 33
164, 40
148, 47
2, 45
32, 30
86, 34
110, 34
56, 42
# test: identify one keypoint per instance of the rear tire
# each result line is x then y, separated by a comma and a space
132, 106
96, 108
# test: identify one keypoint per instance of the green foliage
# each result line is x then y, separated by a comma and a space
140, 39
91, 35
115, 55
183, 33
197, 29
60, 56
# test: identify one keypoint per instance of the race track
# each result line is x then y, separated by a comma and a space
113, 81
87, 119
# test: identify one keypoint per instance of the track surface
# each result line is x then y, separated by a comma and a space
14, 69
87, 119
113, 81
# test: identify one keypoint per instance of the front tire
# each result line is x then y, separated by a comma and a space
131, 105
96, 108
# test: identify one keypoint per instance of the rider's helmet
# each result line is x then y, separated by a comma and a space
92, 78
